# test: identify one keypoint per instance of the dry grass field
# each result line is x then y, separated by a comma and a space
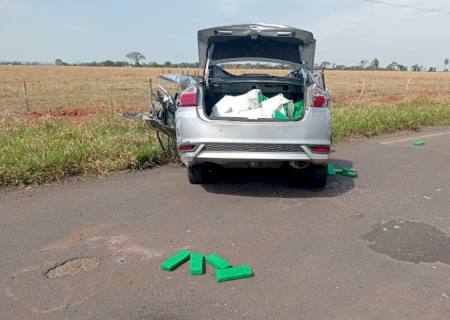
50, 88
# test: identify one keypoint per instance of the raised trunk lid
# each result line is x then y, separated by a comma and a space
256, 42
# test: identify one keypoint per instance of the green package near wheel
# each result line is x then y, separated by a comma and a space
348, 172
352, 174
217, 261
234, 273
176, 260
196, 264
331, 170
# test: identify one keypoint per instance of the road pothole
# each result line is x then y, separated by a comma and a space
408, 240
72, 267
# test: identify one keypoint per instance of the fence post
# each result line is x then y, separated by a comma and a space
26, 96
407, 86
362, 89
150, 89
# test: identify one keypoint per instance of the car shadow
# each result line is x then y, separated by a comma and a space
275, 183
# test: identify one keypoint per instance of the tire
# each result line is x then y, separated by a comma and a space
316, 176
199, 174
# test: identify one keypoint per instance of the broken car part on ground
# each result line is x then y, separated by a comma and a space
247, 120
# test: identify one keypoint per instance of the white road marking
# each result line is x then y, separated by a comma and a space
415, 138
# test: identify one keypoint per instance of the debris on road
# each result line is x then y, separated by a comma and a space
234, 273
196, 264
225, 271
419, 143
348, 172
446, 295
175, 261
217, 261
331, 170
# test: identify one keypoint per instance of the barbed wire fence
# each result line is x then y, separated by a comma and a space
37, 95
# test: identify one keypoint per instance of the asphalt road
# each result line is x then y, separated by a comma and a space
375, 247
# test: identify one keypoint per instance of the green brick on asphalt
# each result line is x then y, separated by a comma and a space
352, 174
196, 264
234, 273
419, 143
176, 260
217, 261
331, 170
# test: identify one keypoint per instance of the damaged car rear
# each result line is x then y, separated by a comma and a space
255, 120
247, 120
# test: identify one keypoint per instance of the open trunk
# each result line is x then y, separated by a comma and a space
221, 83
254, 42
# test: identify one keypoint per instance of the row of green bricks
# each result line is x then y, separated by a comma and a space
224, 270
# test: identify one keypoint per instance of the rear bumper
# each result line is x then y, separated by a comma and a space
202, 155
221, 141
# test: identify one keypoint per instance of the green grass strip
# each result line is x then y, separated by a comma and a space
50, 151
357, 120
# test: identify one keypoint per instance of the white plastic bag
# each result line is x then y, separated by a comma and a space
251, 114
231, 106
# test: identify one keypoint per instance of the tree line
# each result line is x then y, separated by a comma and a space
137, 59
375, 65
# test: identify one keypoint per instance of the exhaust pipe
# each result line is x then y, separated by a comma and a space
298, 164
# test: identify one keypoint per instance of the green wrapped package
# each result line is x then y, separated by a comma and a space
352, 174
176, 260
331, 170
234, 273
217, 261
298, 112
279, 115
348, 172
196, 264
262, 97
419, 143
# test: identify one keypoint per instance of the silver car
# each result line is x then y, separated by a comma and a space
205, 141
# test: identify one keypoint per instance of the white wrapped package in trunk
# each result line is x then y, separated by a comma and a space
249, 106
251, 114
231, 106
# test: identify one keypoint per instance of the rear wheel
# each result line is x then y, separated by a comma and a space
199, 174
316, 176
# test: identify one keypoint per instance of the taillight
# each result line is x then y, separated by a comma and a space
319, 101
320, 149
188, 98
186, 147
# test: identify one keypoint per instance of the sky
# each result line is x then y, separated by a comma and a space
347, 31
